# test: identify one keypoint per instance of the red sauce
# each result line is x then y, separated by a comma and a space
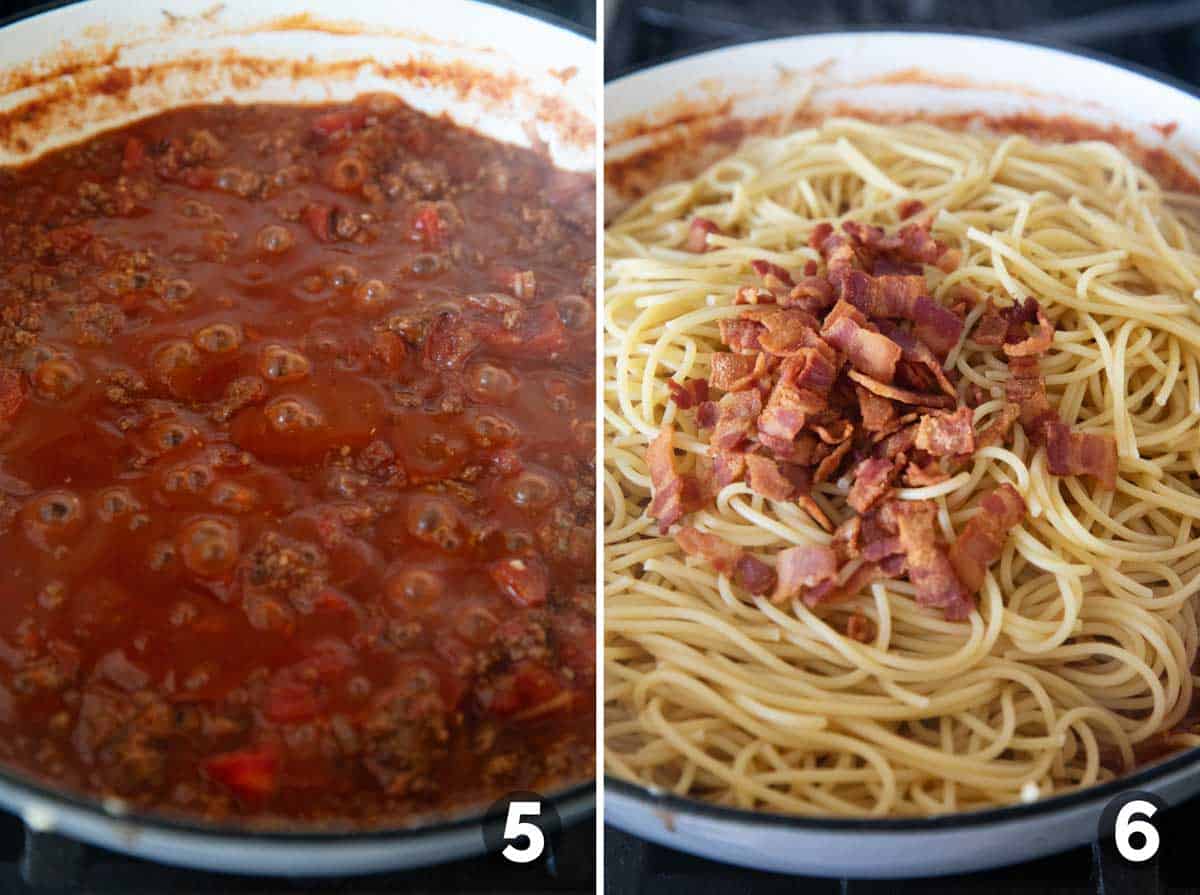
297, 466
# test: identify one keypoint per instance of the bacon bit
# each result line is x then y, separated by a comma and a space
801, 569
929, 569
674, 494
918, 476
812, 294
741, 335
787, 411
859, 627
832, 462
774, 276
738, 413
982, 538
764, 477
706, 414
991, 328
134, 155
917, 352
338, 124
690, 393
946, 434
523, 580
788, 331
997, 432
898, 442
873, 479
754, 575
734, 372
894, 393
319, 218
1078, 453
1027, 389
910, 207
1032, 346
718, 552
12, 395
871, 352
846, 543
810, 506
250, 774
878, 414
728, 467
753, 295
697, 238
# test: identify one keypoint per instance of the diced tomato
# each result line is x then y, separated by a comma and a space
319, 218
289, 702
251, 774
542, 335
134, 155
529, 684
12, 394
345, 121
523, 580
428, 229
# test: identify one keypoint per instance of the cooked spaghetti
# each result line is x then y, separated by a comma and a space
1071, 661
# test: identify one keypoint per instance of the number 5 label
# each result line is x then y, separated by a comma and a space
517, 828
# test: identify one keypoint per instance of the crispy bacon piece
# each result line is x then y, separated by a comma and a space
728, 467
800, 570
789, 407
878, 414
718, 552
831, 462
773, 276
873, 479
917, 352
697, 238
788, 332
754, 575
859, 627
753, 295
674, 494
741, 334
810, 506
812, 294
929, 568
910, 208
946, 434
764, 477
688, 394
1079, 453
997, 431
1033, 345
734, 372
905, 396
846, 537
982, 538
913, 242
991, 328
707, 414
901, 441
871, 352
918, 476
1027, 389
738, 412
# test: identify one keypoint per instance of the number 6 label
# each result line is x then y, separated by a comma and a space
517, 828
1129, 820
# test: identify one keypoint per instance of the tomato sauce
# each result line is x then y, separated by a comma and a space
297, 466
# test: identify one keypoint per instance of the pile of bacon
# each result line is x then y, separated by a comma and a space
840, 376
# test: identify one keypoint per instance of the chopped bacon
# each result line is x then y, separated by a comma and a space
718, 552
832, 462
764, 477
846, 538
697, 238
918, 476
754, 575
688, 394
871, 352
773, 276
1034, 345
877, 413
788, 409
812, 294
1027, 389
801, 569
707, 414
997, 432
909, 208
810, 506
982, 538
1079, 453
917, 352
946, 434
990, 328
929, 568
524, 580
753, 295
674, 494
738, 412
873, 479
741, 335
810, 369
788, 331
734, 372
913, 242
895, 393
901, 441
728, 467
